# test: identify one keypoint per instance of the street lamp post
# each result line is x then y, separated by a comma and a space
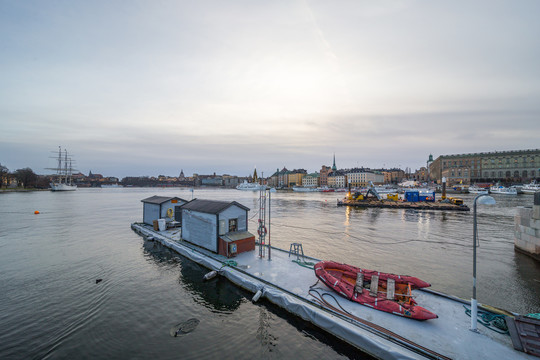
485, 199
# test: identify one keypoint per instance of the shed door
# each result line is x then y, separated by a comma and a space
178, 214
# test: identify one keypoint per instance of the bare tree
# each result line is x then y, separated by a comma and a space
26, 176
4, 176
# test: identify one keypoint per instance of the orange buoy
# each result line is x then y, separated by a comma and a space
36, 212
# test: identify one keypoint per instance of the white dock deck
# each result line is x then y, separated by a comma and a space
287, 284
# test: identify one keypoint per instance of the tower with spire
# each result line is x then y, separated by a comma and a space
334, 168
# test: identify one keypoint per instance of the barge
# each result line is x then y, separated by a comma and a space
289, 282
393, 204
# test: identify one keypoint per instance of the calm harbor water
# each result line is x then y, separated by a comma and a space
51, 306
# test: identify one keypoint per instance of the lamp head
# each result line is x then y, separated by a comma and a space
486, 200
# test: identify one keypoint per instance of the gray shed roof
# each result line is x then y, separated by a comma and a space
160, 199
211, 206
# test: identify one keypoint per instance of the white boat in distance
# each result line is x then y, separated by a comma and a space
385, 190
531, 188
112, 186
503, 190
250, 186
63, 173
304, 189
478, 190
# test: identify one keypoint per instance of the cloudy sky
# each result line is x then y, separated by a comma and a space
152, 87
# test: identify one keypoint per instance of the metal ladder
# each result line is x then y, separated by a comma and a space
262, 223
296, 249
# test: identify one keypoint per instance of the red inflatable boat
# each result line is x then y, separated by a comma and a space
382, 291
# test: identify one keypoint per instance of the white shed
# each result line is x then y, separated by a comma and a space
203, 221
162, 207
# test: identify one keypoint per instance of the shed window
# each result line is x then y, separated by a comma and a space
233, 225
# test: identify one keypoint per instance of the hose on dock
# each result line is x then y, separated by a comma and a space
376, 328
228, 263
306, 264
492, 321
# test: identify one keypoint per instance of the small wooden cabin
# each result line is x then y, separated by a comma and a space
219, 226
162, 207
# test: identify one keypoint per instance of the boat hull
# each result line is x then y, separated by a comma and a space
503, 190
304, 189
342, 278
62, 187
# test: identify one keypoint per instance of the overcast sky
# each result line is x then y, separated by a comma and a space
152, 87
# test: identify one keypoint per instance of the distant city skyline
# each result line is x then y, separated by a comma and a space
228, 86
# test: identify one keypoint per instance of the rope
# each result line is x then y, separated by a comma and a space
374, 327
228, 263
305, 264
492, 321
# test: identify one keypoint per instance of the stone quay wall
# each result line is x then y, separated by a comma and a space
527, 229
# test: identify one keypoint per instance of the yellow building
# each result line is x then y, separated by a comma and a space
295, 177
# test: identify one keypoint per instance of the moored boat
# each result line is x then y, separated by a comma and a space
304, 189
325, 189
386, 292
250, 186
530, 188
503, 190
477, 190
64, 172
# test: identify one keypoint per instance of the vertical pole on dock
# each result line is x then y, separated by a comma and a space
474, 305
486, 200
269, 208
262, 221
443, 196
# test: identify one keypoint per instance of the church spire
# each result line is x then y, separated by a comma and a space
334, 168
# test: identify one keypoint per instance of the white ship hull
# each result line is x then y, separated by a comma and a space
304, 189
245, 186
503, 190
63, 187
478, 190
530, 188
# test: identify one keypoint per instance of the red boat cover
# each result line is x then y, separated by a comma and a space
342, 277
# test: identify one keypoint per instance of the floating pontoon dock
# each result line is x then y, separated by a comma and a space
383, 335
420, 205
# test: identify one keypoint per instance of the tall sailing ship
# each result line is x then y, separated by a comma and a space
64, 172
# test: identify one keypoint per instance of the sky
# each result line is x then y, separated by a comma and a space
147, 88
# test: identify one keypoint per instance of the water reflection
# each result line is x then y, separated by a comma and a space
528, 271
218, 294
266, 339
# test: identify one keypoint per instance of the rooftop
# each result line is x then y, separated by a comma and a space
211, 206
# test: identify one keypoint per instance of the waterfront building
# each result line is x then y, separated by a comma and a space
337, 179
311, 180
295, 177
273, 179
323, 175
230, 181
211, 180
421, 175
279, 179
283, 177
393, 176
500, 166
360, 177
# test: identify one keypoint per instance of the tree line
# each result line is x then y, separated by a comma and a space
25, 178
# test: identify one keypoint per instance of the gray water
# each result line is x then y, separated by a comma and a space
52, 307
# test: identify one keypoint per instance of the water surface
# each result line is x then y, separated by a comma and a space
52, 307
